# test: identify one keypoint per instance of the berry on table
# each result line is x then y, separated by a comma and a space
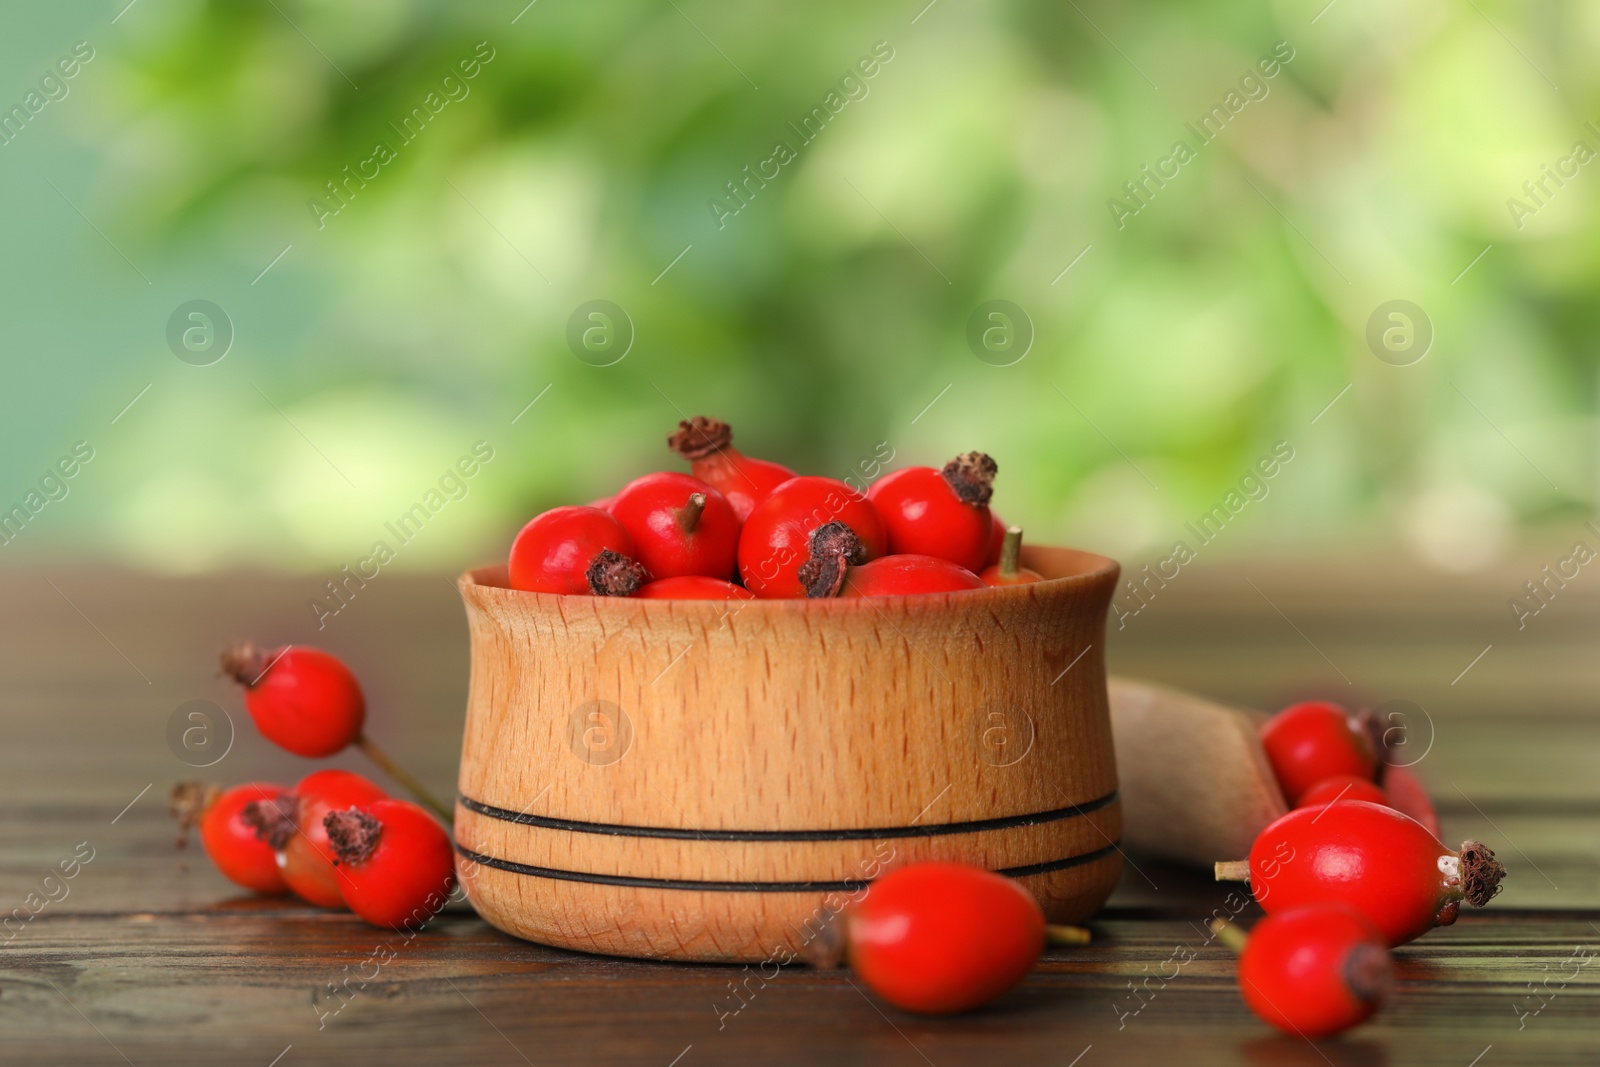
1344, 787
577, 551
1308, 742
1311, 971
679, 526
1408, 796
943, 513
708, 446
230, 840
692, 587
396, 863
907, 575
299, 834
1383, 864
1009, 570
941, 937
302, 699
799, 523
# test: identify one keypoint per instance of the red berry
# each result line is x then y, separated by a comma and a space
602, 503
395, 861
1309, 742
679, 526
307, 855
1407, 796
707, 445
943, 513
905, 575
1009, 570
301, 698
1343, 787
1374, 859
997, 539
577, 551
232, 842
777, 541
692, 587
1315, 971
943, 937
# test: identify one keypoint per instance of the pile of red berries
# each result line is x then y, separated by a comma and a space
1355, 869
335, 839
741, 528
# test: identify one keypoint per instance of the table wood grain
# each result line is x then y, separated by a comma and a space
149, 957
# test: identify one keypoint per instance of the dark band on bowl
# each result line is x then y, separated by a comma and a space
846, 886
867, 834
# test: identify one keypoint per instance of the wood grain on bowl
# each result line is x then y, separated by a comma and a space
711, 781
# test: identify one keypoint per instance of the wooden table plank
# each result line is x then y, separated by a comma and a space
153, 953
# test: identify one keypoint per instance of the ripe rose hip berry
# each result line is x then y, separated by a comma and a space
1311, 971
997, 539
907, 575
943, 937
785, 533
1315, 740
298, 834
1408, 796
708, 446
1009, 570
1383, 864
1343, 787
232, 842
692, 587
396, 863
943, 513
679, 526
577, 551
307, 701
302, 699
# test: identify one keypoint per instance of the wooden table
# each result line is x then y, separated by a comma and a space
149, 957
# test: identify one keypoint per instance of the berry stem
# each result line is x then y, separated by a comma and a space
689, 514
1065, 935
1229, 935
1233, 870
411, 784
1011, 552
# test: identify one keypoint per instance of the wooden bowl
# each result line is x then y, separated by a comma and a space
701, 780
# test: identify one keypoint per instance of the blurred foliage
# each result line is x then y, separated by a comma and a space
827, 314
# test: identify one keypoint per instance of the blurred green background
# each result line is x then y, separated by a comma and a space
373, 347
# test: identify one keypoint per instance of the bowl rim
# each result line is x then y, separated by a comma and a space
491, 582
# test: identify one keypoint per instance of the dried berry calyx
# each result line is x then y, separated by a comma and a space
834, 548
273, 820
245, 662
1480, 873
971, 476
613, 574
1369, 972
353, 834
699, 437
188, 802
